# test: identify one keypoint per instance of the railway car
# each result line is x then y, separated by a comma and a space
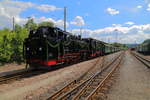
144, 48
95, 47
108, 49
49, 46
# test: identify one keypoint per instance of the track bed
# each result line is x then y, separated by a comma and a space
133, 81
36, 87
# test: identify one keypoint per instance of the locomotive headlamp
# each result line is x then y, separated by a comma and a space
44, 35
40, 48
34, 31
27, 49
50, 54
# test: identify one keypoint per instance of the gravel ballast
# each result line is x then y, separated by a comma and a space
133, 82
11, 67
29, 88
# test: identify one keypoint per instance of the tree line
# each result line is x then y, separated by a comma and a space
11, 41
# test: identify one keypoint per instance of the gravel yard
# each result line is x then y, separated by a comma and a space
145, 56
133, 82
11, 67
32, 87
148, 57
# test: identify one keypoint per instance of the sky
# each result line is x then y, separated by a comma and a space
123, 21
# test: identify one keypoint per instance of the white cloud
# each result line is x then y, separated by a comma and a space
148, 7
129, 23
116, 25
19, 4
20, 20
78, 21
58, 23
130, 34
112, 11
11, 8
139, 6
47, 8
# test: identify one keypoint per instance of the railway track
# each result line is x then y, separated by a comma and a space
145, 61
18, 76
92, 91
76, 88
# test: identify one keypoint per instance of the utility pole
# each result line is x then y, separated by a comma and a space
13, 24
80, 31
71, 32
27, 22
116, 35
65, 17
108, 40
29, 18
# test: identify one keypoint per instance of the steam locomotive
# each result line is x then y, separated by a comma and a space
49, 46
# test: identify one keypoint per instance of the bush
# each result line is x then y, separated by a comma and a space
11, 43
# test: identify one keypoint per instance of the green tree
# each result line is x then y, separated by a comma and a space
120, 45
30, 25
5, 47
51, 24
17, 28
147, 41
11, 42
17, 43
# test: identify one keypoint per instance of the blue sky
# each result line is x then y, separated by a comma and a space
100, 19
94, 13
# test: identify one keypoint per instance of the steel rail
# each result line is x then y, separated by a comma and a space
16, 76
145, 61
103, 82
79, 86
72, 84
142, 58
10, 77
92, 84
